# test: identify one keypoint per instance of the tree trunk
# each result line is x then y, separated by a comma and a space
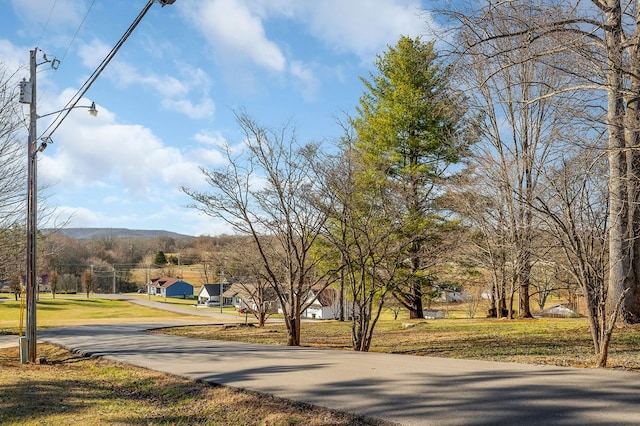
415, 308
621, 245
602, 356
630, 312
293, 332
510, 307
525, 310
631, 305
524, 279
341, 302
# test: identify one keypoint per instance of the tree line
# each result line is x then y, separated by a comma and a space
516, 140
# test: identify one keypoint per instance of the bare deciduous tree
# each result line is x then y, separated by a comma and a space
365, 226
247, 273
599, 41
521, 127
53, 282
487, 247
12, 181
265, 192
86, 279
575, 205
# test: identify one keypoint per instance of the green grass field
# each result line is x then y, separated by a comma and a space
75, 309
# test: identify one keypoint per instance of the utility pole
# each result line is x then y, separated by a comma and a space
28, 95
32, 208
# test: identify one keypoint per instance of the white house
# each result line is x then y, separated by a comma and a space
325, 305
210, 293
246, 296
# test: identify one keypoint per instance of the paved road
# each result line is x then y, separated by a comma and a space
157, 302
408, 390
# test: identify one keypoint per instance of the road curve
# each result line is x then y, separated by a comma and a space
408, 390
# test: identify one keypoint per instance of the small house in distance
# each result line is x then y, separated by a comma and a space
324, 305
249, 296
170, 287
210, 294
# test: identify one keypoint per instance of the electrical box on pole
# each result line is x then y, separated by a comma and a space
25, 91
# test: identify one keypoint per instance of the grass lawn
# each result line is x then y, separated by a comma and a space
70, 389
563, 342
77, 309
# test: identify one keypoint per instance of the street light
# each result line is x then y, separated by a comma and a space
92, 110
28, 96
46, 140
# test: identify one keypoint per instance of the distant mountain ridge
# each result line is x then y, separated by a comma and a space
90, 233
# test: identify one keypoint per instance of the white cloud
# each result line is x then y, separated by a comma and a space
13, 57
72, 217
91, 151
204, 109
93, 53
363, 27
53, 13
305, 76
238, 31
220, 144
214, 139
175, 92
208, 158
230, 25
165, 85
102, 153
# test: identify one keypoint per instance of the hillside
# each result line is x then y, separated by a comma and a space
90, 233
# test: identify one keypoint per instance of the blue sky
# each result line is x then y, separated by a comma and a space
165, 102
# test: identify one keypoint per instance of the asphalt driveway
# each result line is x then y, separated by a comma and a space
409, 390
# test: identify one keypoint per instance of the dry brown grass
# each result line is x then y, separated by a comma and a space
563, 342
70, 389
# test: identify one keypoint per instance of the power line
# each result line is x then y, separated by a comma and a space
92, 78
84, 18
44, 29
75, 35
